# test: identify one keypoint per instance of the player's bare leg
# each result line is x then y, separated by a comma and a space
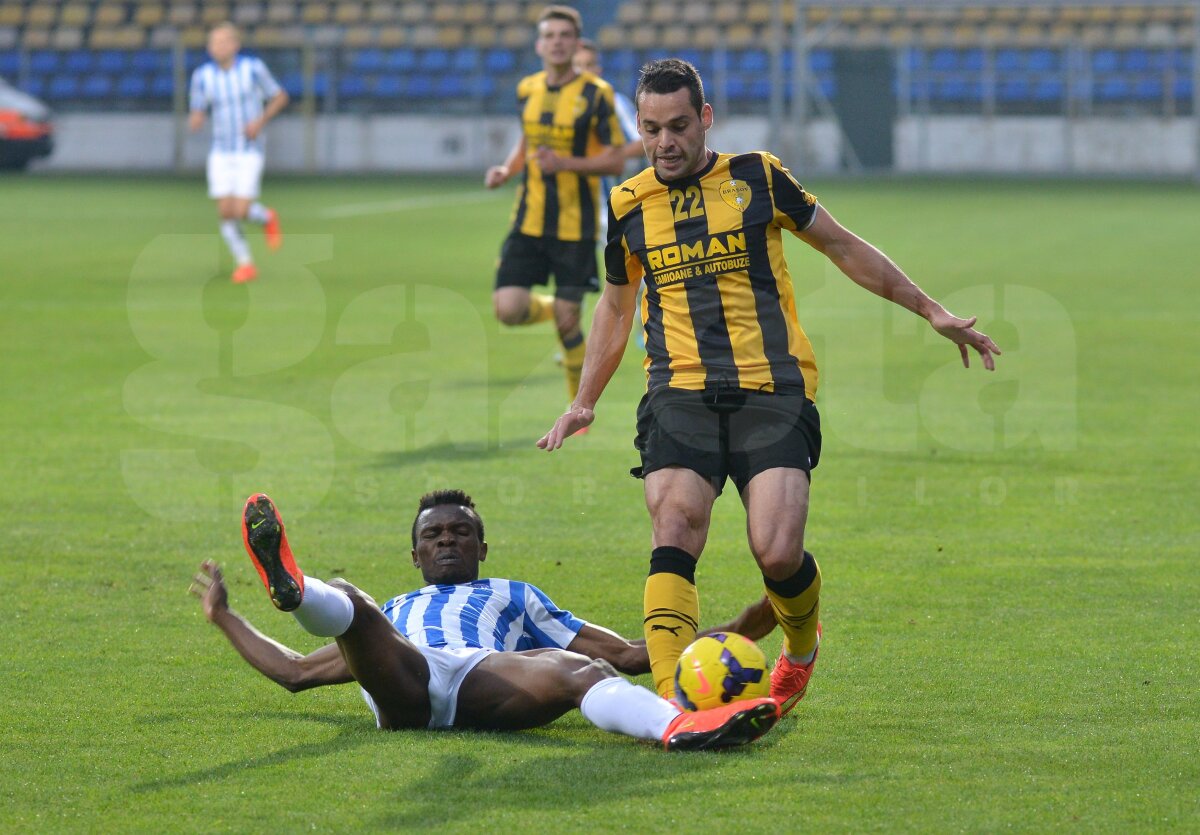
232, 210
776, 512
515, 306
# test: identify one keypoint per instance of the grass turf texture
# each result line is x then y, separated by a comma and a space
1010, 585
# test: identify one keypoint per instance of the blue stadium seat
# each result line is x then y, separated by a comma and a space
62, 87
485, 87
194, 58
621, 61
1183, 87
736, 88
499, 61
401, 60
913, 58
1113, 88
452, 86
77, 61
1041, 60
352, 86
464, 60
759, 88
150, 60
1048, 89
293, 83
752, 61
96, 87
43, 61
959, 88
821, 60
367, 60
10, 63
421, 86
110, 60
1105, 60
971, 59
133, 86
389, 87
1136, 60
944, 60
163, 86
1148, 88
435, 60
827, 83
35, 86
1014, 90
1009, 60
1181, 59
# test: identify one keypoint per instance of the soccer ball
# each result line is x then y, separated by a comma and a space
718, 669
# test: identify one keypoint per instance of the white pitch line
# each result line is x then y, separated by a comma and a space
404, 204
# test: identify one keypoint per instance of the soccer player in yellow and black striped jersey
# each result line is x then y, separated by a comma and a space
731, 377
570, 137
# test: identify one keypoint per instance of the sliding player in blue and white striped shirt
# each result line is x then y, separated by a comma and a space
242, 97
464, 652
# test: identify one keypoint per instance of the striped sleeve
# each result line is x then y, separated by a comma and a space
795, 208
546, 625
197, 95
620, 265
266, 82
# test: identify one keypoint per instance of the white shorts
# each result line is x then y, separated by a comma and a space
447, 669
234, 174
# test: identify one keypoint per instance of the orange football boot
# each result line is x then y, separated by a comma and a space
272, 230
244, 273
737, 723
267, 545
790, 680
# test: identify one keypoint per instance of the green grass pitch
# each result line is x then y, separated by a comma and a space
1010, 592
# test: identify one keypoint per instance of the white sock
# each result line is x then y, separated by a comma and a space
231, 231
324, 610
258, 213
622, 707
804, 660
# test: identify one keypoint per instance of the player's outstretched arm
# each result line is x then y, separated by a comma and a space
630, 657
871, 269
281, 664
605, 347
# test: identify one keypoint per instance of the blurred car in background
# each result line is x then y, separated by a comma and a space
25, 129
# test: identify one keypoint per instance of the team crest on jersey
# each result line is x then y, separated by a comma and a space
736, 194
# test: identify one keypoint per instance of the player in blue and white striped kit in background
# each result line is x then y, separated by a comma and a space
464, 652
242, 96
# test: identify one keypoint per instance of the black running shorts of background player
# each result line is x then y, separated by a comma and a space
526, 261
724, 433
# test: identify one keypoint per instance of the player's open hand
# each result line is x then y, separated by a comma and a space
195, 120
253, 129
209, 586
962, 333
572, 420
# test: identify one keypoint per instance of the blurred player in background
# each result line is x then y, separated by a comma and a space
731, 376
242, 96
570, 136
463, 652
587, 59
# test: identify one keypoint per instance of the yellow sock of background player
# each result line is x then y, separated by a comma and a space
573, 351
797, 604
541, 309
672, 609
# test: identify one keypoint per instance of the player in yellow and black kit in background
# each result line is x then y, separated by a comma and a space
731, 377
570, 138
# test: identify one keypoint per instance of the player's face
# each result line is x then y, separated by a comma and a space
448, 546
673, 133
223, 45
556, 42
585, 61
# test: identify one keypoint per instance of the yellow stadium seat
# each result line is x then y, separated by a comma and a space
965, 33
901, 34
193, 36
516, 35
109, 15
182, 14
41, 16
451, 36
34, 38
348, 13
662, 14
505, 13
1101, 14
74, 14
150, 14
997, 32
817, 14
315, 13
381, 12
473, 13
676, 36
727, 14
757, 13
883, 14
393, 36
119, 37
697, 14
532, 12
425, 35
413, 13
12, 14
445, 12
705, 37
247, 14
483, 36
974, 14
611, 37
281, 13
631, 13
644, 37
741, 36
212, 15
67, 37
359, 36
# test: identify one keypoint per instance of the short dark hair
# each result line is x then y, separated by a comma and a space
434, 498
669, 75
566, 13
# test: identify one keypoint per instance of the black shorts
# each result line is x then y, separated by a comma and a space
728, 433
526, 261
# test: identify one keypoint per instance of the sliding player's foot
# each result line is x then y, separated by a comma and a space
267, 545
244, 273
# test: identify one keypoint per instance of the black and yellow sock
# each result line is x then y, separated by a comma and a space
574, 348
541, 309
797, 604
672, 609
